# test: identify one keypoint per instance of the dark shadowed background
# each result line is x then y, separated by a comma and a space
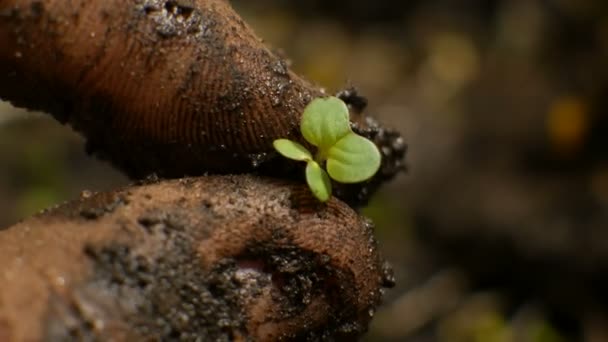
499, 230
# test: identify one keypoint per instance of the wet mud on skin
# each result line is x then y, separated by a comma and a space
172, 88
222, 258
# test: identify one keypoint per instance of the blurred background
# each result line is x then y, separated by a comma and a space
499, 230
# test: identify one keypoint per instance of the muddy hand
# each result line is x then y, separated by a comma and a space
167, 87
217, 258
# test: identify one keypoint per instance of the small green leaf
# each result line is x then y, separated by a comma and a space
325, 121
353, 159
318, 181
292, 150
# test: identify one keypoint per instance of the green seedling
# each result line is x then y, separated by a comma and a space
348, 157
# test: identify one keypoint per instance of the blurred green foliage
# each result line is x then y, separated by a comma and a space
44, 164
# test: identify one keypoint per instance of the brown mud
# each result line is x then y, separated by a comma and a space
218, 258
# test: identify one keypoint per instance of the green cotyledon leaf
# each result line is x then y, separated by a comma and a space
292, 150
325, 121
353, 159
318, 181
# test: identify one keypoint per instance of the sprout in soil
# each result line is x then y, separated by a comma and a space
348, 157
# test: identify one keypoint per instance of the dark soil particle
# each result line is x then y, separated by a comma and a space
169, 295
91, 213
174, 18
295, 274
89, 209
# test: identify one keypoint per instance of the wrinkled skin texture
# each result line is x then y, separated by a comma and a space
150, 77
170, 88
218, 257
